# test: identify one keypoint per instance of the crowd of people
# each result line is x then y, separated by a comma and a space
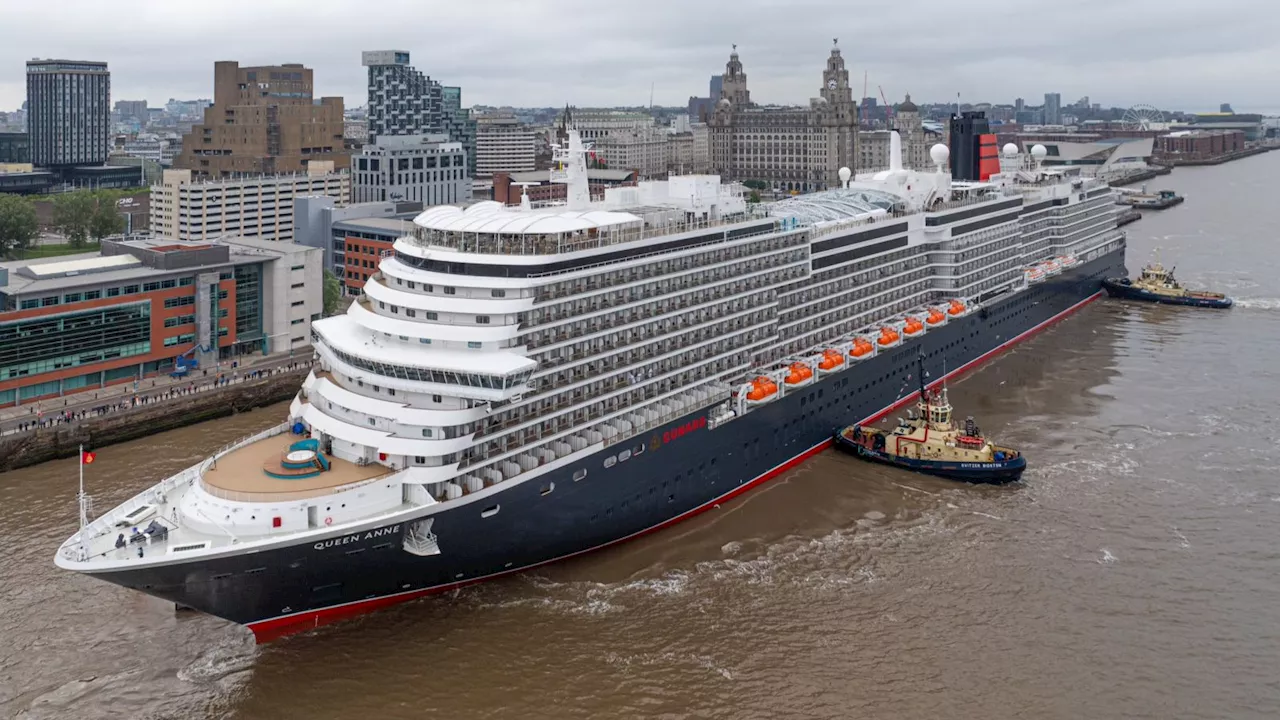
39, 416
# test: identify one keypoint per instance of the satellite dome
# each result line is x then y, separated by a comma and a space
1010, 149
940, 154
845, 173
1039, 151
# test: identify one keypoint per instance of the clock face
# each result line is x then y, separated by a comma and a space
831, 84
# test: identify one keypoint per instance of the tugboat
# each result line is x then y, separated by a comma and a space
933, 445
1158, 285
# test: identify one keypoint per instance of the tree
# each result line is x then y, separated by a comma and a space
105, 220
755, 184
18, 226
754, 197
332, 292
72, 214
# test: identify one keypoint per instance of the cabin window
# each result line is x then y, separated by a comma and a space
579, 474
610, 461
624, 456
490, 511
547, 489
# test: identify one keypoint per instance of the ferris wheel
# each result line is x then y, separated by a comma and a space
1143, 117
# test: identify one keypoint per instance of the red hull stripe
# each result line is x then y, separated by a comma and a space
277, 627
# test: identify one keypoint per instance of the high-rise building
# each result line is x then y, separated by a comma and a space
405, 101
184, 207
430, 169
460, 126
503, 144
69, 112
717, 84
1052, 109
263, 120
795, 148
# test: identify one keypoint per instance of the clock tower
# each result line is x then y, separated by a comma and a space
837, 121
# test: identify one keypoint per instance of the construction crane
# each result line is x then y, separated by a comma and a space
888, 109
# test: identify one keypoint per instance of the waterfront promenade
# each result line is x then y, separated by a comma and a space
119, 399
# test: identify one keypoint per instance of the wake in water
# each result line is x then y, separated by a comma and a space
1258, 303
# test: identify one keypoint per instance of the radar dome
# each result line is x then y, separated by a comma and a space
1010, 149
939, 154
1038, 152
845, 173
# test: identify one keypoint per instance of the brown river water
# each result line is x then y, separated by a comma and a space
1134, 573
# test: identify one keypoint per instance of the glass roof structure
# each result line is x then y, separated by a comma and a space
838, 204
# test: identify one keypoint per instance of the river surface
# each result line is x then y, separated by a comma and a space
1134, 573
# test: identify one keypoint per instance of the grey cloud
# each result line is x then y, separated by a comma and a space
1173, 53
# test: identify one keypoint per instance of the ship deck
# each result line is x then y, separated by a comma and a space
240, 474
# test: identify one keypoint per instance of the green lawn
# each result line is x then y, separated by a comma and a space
48, 251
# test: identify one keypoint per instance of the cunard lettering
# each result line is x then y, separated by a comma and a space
684, 429
357, 537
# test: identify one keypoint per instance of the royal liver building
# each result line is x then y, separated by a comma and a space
790, 148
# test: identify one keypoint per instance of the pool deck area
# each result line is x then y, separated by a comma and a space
241, 474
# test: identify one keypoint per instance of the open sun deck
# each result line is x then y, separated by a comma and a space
277, 468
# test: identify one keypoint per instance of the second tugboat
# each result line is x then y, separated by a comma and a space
933, 445
1158, 285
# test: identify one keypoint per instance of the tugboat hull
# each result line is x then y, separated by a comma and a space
1123, 288
990, 473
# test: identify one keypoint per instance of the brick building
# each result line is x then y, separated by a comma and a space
81, 322
1199, 145
263, 121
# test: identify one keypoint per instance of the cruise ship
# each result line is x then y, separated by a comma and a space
522, 384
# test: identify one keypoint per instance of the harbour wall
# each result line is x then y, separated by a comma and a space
61, 441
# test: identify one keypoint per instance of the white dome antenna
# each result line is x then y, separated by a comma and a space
1010, 150
1039, 152
940, 154
845, 173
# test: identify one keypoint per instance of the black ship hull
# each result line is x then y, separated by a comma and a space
673, 473
1124, 288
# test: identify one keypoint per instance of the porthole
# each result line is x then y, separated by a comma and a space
579, 474
490, 511
624, 456
610, 461
547, 489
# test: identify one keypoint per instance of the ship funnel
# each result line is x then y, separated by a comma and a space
895, 151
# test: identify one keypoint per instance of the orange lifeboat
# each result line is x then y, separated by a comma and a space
762, 390
799, 374
913, 327
888, 336
831, 360
936, 317
862, 348
957, 308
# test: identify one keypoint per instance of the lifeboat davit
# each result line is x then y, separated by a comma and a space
1066, 261
956, 308
799, 374
832, 360
936, 317
913, 328
762, 391
862, 349
888, 336
1052, 267
1035, 275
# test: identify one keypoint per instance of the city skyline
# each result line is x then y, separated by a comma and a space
573, 51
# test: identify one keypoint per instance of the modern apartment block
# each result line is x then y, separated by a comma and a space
263, 120
503, 144
81, 322
68, 112
189, 209
405, 101
429, 169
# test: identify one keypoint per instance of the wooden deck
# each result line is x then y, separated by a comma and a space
240, 472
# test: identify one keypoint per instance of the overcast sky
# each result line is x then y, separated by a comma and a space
1175, 54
